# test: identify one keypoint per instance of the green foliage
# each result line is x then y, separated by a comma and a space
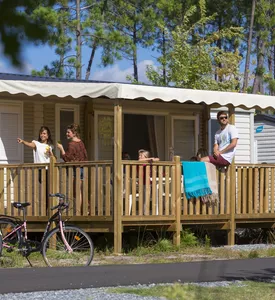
253, 254
136, 21
207, 243
16, 27
194, 61
164, 245
69, 32
188, 239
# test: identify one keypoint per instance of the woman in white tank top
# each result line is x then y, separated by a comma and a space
42, 148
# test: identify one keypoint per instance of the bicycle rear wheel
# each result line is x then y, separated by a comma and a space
10, 240
79, 250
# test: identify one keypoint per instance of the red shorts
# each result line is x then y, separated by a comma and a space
219, 161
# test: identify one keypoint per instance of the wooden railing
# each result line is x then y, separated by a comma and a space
148, 189
32, 182
146, 193
23, 183
195, 207
88, 186
255, 189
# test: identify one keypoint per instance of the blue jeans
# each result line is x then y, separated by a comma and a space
81, 173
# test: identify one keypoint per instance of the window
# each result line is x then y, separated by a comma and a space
185, 136
10, 129
104, 135
65, 115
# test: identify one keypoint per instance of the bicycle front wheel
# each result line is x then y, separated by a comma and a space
75, 249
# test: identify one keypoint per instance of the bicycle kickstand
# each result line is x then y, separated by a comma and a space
29, 261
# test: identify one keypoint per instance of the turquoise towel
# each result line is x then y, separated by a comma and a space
195, 179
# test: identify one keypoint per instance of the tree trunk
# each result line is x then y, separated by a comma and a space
88, 71
249, 42
62, 54
258, 81
219, 44
94, 47
135, 54
78, 42
164, 58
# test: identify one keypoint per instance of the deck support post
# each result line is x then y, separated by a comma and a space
232, 174
52, 177
176, 234
118, 178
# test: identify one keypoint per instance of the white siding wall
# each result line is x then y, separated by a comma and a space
245, 146
245, 125
28, 126
265, 142
38, 118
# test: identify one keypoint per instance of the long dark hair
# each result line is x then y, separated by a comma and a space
42, 128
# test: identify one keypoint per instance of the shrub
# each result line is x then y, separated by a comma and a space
188, 239
164, 245
253, 254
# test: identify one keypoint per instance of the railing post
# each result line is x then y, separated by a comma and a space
232, 174
2, 191
52, 177
118, 178
231, 231
176, 235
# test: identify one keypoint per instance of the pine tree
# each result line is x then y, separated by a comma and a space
136, 21
196, 59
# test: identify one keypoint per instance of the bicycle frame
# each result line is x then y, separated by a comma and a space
17, 228
55, 217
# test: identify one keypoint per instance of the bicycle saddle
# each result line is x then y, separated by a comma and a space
20, 205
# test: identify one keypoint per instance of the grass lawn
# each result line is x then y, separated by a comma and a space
237, 291
151, 251
162, 252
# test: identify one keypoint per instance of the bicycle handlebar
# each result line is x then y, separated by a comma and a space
61, 203
59, 195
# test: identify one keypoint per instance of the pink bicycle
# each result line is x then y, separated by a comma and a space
64, 245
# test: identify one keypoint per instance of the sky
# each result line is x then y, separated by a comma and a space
35, 57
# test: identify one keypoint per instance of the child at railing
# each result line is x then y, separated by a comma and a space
144, 155
202, 152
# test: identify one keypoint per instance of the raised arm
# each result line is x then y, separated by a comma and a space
28, 144
68, 155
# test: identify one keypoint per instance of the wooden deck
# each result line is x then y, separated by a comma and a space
116, 197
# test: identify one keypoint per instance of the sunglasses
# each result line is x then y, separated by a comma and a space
221, 118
